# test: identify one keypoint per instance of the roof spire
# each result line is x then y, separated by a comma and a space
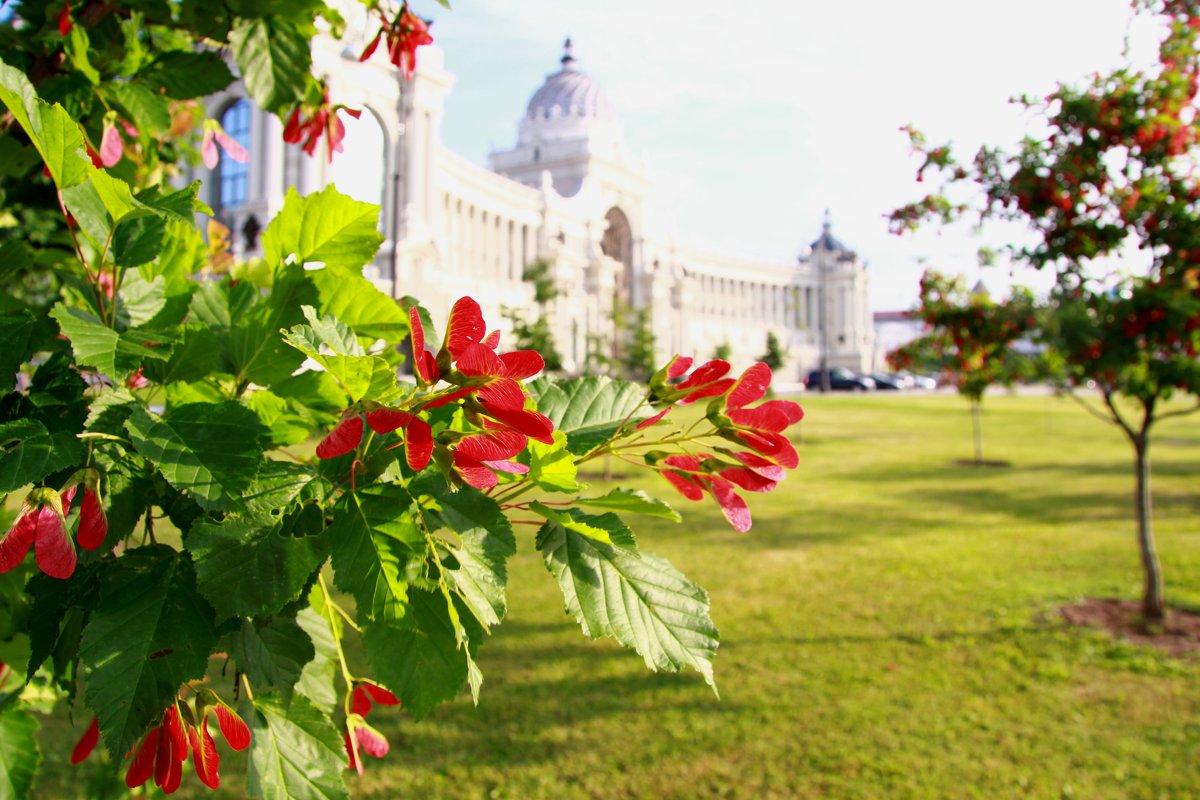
825, 226
568, 56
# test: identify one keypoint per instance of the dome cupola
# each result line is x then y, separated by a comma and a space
569, 105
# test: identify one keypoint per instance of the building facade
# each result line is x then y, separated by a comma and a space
566, 193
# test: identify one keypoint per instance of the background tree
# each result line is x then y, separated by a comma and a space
723, 351
775, 356
538, 334
1111, 176
972, 337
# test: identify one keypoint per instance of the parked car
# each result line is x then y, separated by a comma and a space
887, 382
840, 380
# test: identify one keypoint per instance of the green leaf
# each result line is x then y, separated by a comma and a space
589, 410
209, 450
146, 108
77, 51
272, 652
551, 466
277, 416
183, 75
487, 543
29, 452
638, 599
19, 753
274, 58
295, 752
257, 350
325, 226
52, 131
98, 346
375, 538
54, 622
17, 329
316, 679
276, 485
418, 658
150, 633
248, 567
139, 300
358, 303
601, 528
336, 348
633, 501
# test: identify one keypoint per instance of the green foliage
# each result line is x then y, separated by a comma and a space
775, 356
637, 598
536, 336
1104, 176
151, 377
723, 351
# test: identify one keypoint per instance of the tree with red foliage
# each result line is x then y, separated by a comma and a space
1114, 177
970, 337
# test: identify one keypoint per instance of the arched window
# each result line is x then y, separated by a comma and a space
233, 178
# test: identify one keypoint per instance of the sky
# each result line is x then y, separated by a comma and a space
754, 118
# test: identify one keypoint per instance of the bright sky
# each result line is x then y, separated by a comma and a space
755, 117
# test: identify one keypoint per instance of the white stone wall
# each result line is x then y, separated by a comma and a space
455, 228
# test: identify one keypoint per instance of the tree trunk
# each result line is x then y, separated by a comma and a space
977, 426
1153, 604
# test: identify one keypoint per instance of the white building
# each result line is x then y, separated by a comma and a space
566, 192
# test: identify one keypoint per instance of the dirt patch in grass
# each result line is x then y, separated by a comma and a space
1178, 634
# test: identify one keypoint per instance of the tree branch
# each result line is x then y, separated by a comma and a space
1095, 412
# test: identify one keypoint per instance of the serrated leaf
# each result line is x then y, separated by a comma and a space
17, 333
551, 466
487, 543
147, 109
183, 75
257, 350
360, 304
638, 599
211, 451
140, 300
632, 501
247, 567
150, 633
418, 658
326, 227
295, 752
606, 528
589, 410
29, 452
335, 347
272, 652
276, 484
274, 58
317, 677
19, 753
52, 131
285, 426
100, 347
54, 625
374, 538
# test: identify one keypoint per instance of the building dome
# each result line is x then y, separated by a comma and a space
568, 94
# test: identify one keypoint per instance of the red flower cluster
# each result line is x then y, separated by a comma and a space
488, 391
404, 35
42, 525
359, 734
164, 749
760, 428
310, 122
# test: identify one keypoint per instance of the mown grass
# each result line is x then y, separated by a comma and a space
889, 629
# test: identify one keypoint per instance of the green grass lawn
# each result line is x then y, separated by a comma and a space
889, 629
